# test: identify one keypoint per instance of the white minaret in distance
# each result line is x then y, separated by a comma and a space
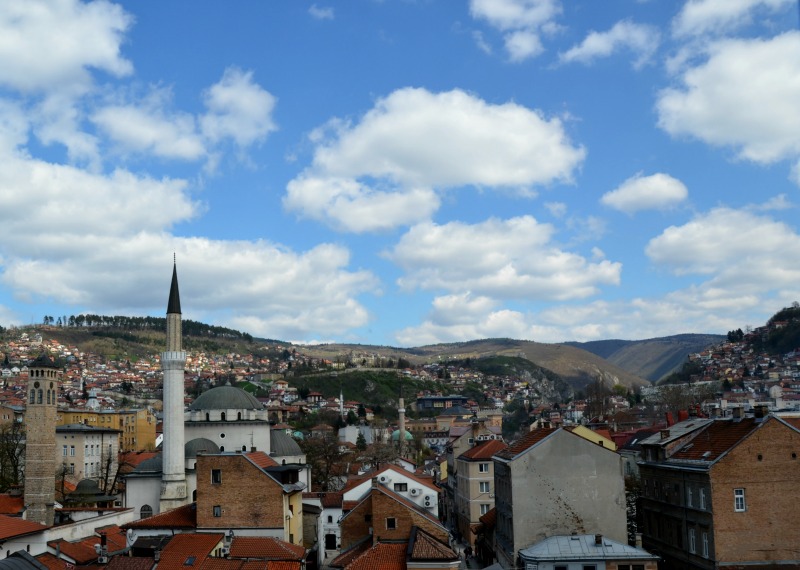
401, 410
173, 361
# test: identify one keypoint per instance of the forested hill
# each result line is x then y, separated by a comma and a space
158, 324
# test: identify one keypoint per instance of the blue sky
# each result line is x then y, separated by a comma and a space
403, 172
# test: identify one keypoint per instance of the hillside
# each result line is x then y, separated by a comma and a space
652, 359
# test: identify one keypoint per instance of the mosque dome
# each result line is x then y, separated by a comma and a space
199, 445
396, 435
282, 445
87, 487
226, 398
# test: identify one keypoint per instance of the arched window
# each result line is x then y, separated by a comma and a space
330, 519
40, 396
48, 396
208, 417
221, 448
222, 416
146, 512
33, 396
194, 495
244, 448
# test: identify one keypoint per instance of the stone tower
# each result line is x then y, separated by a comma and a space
173, 360
40, 446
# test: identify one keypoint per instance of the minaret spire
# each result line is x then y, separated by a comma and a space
173, 362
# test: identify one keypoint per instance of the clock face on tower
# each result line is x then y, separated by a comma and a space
36, 384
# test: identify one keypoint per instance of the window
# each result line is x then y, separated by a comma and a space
72, 468
705, 544
739, 504
217, 511
702, 499
330, 519
65, 451
401, 487
216, 476
561, 568
367, 518
391, 523
484, 486
145, 512
589, 567
692, 541
483, 468
72, 451
689, 497
484, 508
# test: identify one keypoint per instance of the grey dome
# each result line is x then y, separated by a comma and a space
152, 465
87, 487
226, 398
282, 445
199, 445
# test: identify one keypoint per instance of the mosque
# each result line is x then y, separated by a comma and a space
224, 419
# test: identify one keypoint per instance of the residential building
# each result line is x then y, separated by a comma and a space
554, 482
85, 452
721, 493
584, 552
474, 492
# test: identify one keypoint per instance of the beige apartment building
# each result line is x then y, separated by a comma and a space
474, 492
137, 427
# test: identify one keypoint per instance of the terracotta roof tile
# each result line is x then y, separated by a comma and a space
11, 505
52, 562
184, 517
425, 547
281, 565
187, 551
11, 527
484, 450
331, 500
525, 442
352, 553
261, 459
386, 556
716, 439
265, 547
488, 520
81, 552
130, 563
226, 564
115, 537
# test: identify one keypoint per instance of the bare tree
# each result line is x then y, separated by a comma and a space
326, 460
12, 454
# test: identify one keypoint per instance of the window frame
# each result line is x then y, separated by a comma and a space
216, 476
216, 510
739, 500
391, 523
484, 487
483, 467
400, 487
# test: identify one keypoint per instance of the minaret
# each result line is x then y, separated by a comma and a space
173, 360
40, 459
401, 410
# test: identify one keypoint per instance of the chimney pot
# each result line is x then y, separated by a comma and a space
664, 433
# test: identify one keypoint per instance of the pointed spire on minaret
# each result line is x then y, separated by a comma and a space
174, 304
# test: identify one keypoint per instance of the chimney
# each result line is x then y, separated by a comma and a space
738, 413
670, 419
598, 540
664, 433
692, 412
638, 540
683, 415
374, 482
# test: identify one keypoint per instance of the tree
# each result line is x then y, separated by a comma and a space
361, 442
598, 399
326, 459
379, 453
12, 454
352, 419
362, 411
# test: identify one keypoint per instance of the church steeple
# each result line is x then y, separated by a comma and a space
174, 304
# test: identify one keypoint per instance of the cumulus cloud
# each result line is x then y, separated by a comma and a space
35, 58
499, 259
640, 39
743, 96
238, 109
655, 192
699, 17
521, 21
415, 141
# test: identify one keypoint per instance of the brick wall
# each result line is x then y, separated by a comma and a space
247, 497
767, 529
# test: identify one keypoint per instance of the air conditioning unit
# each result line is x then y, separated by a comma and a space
102, 559
384, 479
415, 491
224, 551
428, 502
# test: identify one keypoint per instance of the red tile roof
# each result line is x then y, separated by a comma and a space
265, 547
130, 563
526, 441
484, 450
261, 459
184, 517
81, 552
11, 527
488, 520
189, 550
331, 500
354, 552
11, 505
719, 437
52, 562
426, 547
385, 556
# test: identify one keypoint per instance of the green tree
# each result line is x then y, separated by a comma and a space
361, 442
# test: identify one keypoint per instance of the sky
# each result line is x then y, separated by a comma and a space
403, 172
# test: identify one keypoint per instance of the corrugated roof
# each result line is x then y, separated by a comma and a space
583, 547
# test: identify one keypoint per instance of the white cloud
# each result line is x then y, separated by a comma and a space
51, 45
499, 259
102, 243
321, 13
521, 21
699, 17
641, 39
744, 96
657, 191
238, 109
147, 128
414, 139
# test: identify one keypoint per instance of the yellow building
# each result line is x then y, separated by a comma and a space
137, 427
